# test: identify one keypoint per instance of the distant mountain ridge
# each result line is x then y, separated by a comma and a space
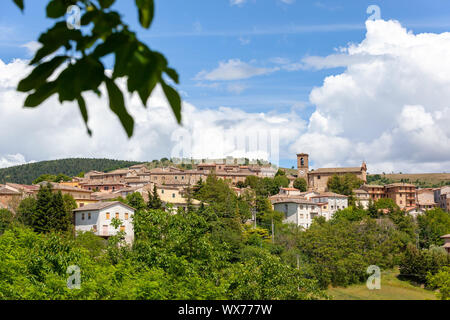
26, 173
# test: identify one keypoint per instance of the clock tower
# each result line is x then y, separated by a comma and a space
303, 166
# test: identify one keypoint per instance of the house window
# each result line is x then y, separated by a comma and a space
182, 177
162, 191
94, 228
176, 178
113, 188
107, 216
318, 177
301, 207
117, 215
81, 204
126, 215
89, 216
82, 216
173, 195
106, 188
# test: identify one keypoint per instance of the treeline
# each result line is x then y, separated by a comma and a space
27, 173
213, 252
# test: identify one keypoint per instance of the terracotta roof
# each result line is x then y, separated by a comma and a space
360, 191
57, 186
399, 184
447, 245
373, 186
336, 170
290, 189
299, 200
447, 236
101, 205
329, 195
23, 186
6, 191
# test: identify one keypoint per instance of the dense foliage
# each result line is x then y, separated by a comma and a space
213, 252
28, 173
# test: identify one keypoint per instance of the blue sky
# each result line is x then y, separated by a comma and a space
266, 35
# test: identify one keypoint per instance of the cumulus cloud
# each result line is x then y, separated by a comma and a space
233, 69
54, 131
390, 106
10, 160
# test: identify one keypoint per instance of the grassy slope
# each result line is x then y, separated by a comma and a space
429, 178
391, 289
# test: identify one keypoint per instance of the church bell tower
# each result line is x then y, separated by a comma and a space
303, 166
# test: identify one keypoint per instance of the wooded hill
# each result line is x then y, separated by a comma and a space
28, 172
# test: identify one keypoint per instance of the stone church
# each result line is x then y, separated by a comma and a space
317, 179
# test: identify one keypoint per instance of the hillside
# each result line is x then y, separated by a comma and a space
28, 172
391, 289
419, 179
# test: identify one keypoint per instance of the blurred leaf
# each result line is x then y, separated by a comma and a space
41, 94
172, 74
19, 3
106, 3
56, 9
146, 12
84, 113
40, 74
117, 105
53, 39
174, 99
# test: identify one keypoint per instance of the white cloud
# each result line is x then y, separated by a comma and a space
233, 69
237, 2
391, 105
52, 131
10, 160
31, 47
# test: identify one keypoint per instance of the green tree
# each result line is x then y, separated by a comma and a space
441, 281
26, 210
432, 225
344, 184
300, 184
280, 172
154, 201
136, 201
81, 55
6, 218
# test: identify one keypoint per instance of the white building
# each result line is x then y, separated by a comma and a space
362, 198
298, 210
97, 218
333, 202
268, 172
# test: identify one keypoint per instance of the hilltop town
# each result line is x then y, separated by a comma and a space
300, 205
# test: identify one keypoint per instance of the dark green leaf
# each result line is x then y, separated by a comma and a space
117, 105
84, 113
146, 12
40, 74
111, 44
172, 74
56, 9
41, 94
59, 35
19, 3
86, 74
88, 17
174, 99
106, 3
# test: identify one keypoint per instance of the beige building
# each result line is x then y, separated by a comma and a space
317, 179
375, 191
425, 199
362, 197
446, 242
404, 194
